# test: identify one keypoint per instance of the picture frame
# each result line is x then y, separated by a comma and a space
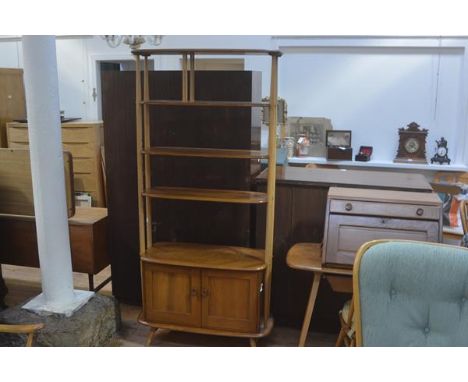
338, 138
314, 128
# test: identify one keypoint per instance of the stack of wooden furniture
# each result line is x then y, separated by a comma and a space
83, 140
193, 287
18, 239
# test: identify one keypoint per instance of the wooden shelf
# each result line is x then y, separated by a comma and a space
207, 195
206, 256
150, 52
205, 103
205, 152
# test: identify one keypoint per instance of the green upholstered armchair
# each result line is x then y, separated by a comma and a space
411, 294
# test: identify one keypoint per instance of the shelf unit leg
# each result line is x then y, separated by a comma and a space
310, 308
151, 335
253, 342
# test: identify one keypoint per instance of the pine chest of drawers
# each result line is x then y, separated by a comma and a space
83, 140
355, 216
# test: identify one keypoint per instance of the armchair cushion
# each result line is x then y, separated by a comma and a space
413, 294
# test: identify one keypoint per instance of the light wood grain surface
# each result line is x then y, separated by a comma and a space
207, 195
206, 256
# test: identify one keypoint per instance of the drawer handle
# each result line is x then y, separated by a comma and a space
348, 207
419, 212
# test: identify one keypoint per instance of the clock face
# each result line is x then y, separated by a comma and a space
412, 145
442, 151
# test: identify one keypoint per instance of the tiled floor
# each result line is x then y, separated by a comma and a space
24, 283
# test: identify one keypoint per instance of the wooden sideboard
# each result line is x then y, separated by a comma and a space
83, 140
301, 201
88, 241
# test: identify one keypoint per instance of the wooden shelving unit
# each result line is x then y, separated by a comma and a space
203, 288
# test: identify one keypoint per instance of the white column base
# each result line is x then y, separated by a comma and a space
38, 304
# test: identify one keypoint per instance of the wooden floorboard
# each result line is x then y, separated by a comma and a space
24, 283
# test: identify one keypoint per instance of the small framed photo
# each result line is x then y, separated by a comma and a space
338, 138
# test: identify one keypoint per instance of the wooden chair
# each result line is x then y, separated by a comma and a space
347, 334
464, 215
409, 293
29, 329
307, 257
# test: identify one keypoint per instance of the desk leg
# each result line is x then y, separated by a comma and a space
310, 308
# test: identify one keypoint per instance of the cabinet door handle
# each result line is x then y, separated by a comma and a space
194, 292
205, 292
348, 207
419, 212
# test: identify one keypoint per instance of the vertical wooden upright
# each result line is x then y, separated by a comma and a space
139, 148
270, 216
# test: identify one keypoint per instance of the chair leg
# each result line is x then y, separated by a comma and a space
29, 342
150, 338
310, 308
253, 342
341, 336
91, 281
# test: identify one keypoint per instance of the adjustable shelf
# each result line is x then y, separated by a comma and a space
204, 103
206, 256
203, 288
207, 195
206, 152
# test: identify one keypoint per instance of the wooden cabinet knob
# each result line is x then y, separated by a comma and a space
419, 212
348, 207
194, 292
204, 292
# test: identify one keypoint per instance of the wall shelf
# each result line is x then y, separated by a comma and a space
378, 164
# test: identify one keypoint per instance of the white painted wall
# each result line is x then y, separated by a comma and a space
373, 92
372, 86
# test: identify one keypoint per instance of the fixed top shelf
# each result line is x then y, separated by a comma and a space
206, 256
150, 52
207, 195
205, 103
205, 152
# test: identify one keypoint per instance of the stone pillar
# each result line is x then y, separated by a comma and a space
47, 168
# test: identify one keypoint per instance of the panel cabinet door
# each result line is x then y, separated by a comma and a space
230, 300
171, 295
347, 233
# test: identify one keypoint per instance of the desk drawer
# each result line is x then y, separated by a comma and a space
77, 134
84, 166
408, 211
77, 150
85, 182
347, 233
